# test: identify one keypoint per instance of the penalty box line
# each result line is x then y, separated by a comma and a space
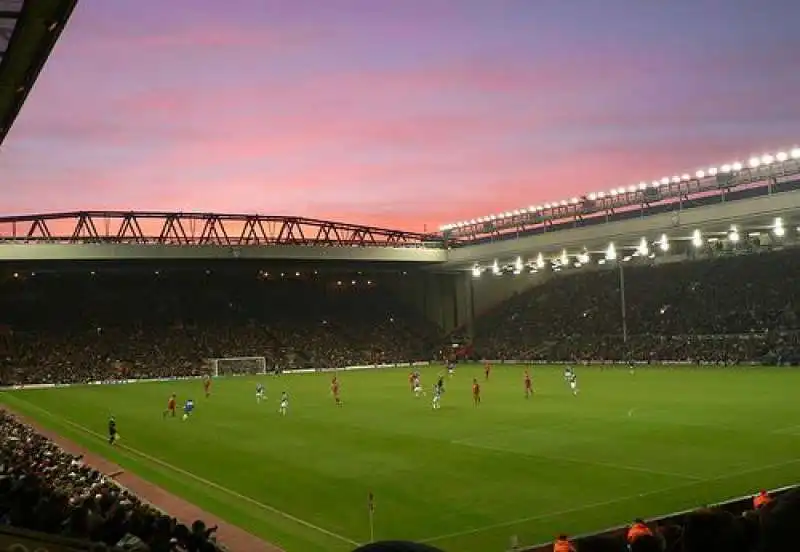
197, 478
549, 515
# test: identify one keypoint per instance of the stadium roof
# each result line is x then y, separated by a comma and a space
29, 30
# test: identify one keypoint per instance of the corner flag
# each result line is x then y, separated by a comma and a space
371, 507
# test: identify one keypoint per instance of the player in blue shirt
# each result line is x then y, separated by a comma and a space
188, 408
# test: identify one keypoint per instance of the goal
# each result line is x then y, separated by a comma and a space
237, 366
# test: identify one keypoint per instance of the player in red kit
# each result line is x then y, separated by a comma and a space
487, 370
171, 405
207, 386
476, 392
335, 391
528, 385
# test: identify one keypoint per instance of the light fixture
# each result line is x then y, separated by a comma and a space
663, 243
643, 249
697, 239
778, 228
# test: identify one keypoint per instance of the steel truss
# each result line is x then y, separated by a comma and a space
160, 228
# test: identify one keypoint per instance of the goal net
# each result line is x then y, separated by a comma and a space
238, 366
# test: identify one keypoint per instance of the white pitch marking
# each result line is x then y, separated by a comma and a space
582, 461
199, 479
617, 500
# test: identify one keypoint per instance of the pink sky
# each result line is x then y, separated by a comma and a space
396, 113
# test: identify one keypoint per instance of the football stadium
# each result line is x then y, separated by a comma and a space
613, 371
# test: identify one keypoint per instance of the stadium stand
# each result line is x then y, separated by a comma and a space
82, 326
737, 526
64, 328
44, 489
730, 310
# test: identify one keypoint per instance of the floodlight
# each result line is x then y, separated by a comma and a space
643, 249
601, 262
781, 156
584, 258
516, 212
612, 192
495, 268
642, 185
626, 258
540, 261
697, 239
733, 235
656, 184
754, 162
699, 174
563, 202
778, 228
676, 179
473, 221
665, 180
564, 257
476, 271
443, 228
736, 166
663, 243
632, 188
725, 168
601, 195
508, 214
611, 252
767, 159
621, 190
518, 265
533, 208
712, 171
546, 205
795, 153
685, 177
592, 196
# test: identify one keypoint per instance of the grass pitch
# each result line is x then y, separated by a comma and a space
462, 478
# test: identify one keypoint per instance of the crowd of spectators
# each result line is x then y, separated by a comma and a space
70, 327
763, 524
723, 310
44, 489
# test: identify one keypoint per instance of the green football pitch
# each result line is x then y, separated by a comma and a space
461, 478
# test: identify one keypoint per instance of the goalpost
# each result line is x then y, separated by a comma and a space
237, 366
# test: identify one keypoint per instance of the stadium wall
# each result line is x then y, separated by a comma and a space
453, 300
488, 291
442, 298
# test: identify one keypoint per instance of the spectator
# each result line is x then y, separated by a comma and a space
43, 488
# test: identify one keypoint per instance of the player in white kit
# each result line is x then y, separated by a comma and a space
284, 403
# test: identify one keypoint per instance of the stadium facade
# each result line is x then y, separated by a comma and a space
451, 277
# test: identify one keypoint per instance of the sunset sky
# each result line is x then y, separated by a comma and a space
400, 113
